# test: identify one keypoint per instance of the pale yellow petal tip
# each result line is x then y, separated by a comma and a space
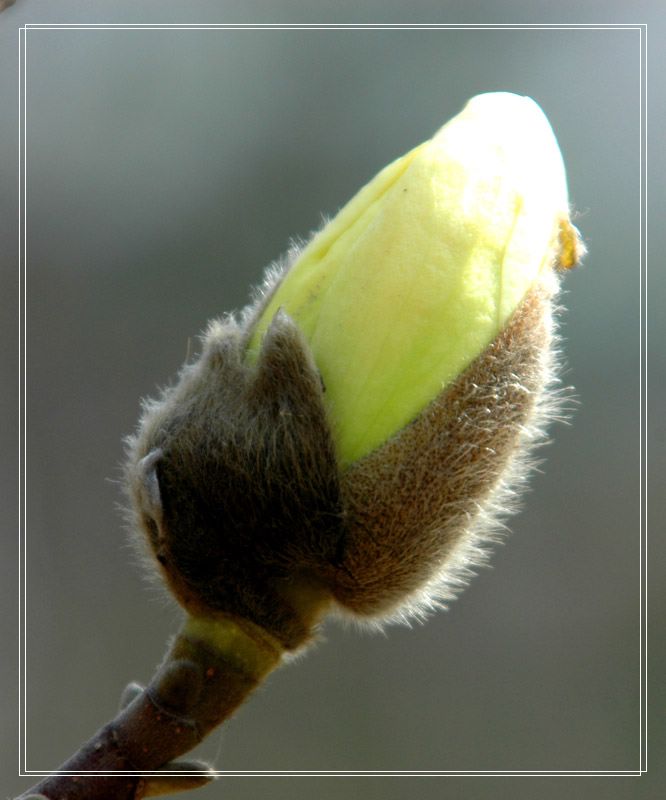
518, 136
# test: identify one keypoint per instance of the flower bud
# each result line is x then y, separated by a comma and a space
348, 438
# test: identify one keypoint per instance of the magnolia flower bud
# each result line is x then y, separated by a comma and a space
348, 438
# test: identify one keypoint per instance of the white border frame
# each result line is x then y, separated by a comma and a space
22, 656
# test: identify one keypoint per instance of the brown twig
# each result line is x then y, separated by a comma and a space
210, 669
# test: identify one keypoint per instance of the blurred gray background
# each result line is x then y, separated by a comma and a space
165, 169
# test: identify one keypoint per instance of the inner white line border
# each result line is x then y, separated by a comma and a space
22, 259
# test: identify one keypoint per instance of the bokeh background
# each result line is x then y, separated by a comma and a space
165, 170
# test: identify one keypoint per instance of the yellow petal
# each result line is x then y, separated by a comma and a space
418, 273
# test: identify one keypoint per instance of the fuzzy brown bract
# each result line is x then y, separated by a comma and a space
420, 508
234, 480
248, 483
